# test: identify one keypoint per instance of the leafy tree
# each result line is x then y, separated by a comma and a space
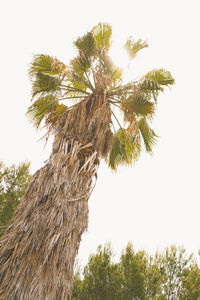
154, 278
169, 275
102, 278
191, 283
174, 264
134, 267
77, 103
13, 183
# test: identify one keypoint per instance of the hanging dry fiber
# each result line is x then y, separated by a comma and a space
39, 248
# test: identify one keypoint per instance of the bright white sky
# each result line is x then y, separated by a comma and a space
156, 202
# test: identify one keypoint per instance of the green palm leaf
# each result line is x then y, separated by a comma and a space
78, 82
148, 135
150, 86
43, 108
45, 84
138, 104
126, 149
102, 34
86, 44
45, 64
133, 47
161, 76
80, 64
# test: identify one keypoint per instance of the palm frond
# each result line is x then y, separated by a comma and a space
139, 104
86, 44
161, 76
46, 64
102, 34
81, 69
54, 113
80, 64
79, 82
43, 84
148, 135
40, 109
126, 149
150, 86
133, 47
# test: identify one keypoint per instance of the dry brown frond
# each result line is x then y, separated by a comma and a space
102, 81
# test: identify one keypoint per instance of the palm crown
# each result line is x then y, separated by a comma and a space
93, 74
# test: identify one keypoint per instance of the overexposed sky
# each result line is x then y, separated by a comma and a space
156, 202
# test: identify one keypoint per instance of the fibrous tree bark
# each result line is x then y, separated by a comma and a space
40, 246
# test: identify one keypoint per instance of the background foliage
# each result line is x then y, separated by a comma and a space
13, 183
167, 275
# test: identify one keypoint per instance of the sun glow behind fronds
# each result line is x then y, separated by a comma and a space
119, 57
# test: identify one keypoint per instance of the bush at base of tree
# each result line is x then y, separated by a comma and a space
13, 183
168, 275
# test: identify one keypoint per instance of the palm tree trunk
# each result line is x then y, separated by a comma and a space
39, 248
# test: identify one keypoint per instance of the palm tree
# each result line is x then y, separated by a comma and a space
77, 103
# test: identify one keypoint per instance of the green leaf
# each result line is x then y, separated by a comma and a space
161, 76
45, 64
80, 64
78, 82
125, 149
40, 109
133, 47
102, 34
148, 135
86, 44
45, 84
139, 104
150, 86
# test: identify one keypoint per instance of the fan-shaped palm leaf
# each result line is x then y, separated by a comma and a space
79, 82
86, 44
138, 104
161, 76
148, 135
45, 84
126, 149
134, 47
45, 108
46, 64
102, 34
